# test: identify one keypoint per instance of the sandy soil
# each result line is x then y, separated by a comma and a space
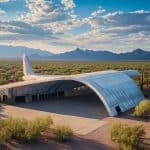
82, 115
87, 118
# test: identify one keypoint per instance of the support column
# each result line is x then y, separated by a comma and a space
10, 96
28, 98
38, 97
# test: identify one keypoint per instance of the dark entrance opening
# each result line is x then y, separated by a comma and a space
54, 94
118, 109
20, 99
34, 98
71, 98
5, 98
61, 93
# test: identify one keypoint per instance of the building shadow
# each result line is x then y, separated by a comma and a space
83, 106
77, 143
129, 115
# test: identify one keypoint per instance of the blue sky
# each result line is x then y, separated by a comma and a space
63, 25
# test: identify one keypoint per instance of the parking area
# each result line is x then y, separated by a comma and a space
83, 114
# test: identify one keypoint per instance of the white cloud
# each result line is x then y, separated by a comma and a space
4, 1
140, 12
2, 12
42, 11
121, 22
98, 12
53, 27
51, 16
69, 4
24, 31
63, 26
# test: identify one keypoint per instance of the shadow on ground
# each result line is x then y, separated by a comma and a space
129, 115
77, 143
83, 106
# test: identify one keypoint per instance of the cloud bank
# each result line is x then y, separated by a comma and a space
54, 26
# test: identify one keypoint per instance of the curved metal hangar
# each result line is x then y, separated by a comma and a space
115, 89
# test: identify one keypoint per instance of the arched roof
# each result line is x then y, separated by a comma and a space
114, 88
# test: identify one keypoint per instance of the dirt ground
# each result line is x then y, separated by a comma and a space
98, 139
87, 117
82, 114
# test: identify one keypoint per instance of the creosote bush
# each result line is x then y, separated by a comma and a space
34, 128
143, 109
63, 132
15, 127
4, 135
127, 137
11, 71
22, 129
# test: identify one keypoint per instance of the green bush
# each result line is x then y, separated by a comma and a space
143, 109
10, 128
63, 132
43, 123
11, 71
15, 127
32, 132
22, 129
4, 135
34, 128
127, 137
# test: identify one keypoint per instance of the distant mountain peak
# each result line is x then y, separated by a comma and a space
77, 54
138, 50
78, 50
101, 55
18, 51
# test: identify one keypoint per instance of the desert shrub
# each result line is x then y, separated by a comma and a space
11, 128
43, 123
34, 128
4, 135
143, 109
23, 129
15, 127
63, 132
1, 123
11, 71
32, 132
127, 137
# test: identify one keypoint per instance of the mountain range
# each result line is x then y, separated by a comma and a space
91, 55
10, 52
15, 52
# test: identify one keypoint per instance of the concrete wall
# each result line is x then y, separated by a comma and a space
46, 90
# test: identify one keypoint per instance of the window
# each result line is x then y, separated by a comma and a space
118, 109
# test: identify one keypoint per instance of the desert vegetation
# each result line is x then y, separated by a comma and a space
126, 136
28, 131
22, 129
143, 109
63, 132
11, 71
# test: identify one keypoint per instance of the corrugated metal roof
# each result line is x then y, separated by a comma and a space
114, 88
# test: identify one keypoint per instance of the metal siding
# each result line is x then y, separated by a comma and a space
114, 88
117, 89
